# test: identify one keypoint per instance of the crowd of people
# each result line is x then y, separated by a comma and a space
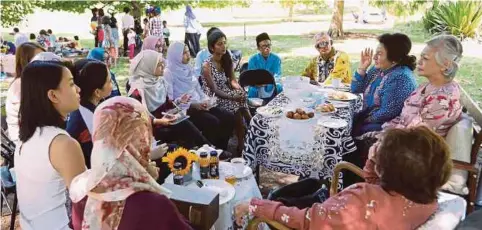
100, 150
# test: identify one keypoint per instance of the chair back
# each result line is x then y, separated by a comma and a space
255, 78
243, 68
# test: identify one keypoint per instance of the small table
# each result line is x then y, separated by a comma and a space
246, 188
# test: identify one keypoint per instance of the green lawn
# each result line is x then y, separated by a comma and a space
468, 74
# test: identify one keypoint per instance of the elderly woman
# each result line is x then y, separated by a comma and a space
100, 54
121, 183
389, 199
386, 85
149, 87
215, 123
435, 104
329, 64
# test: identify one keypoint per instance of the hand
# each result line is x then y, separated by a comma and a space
153, 170
238, 98
159, 151
366, 57
240, 212
200, 106
373, 151
185, 98
165, 121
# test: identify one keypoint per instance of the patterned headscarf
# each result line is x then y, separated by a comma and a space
120, 157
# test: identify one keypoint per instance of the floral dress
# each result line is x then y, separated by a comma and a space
222, 83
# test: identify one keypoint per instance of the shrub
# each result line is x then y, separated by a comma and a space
461, 18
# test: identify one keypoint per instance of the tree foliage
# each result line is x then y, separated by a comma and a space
14, 12
401, 8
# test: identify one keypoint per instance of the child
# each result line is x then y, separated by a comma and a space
131, 36
76, 43
108, 42
166, 33
100, 35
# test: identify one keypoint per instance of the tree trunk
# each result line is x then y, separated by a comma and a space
290, 15
136, 11
336, 25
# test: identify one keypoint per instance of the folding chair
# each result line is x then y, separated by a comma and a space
258, 77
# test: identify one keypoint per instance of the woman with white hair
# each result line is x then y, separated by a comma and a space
435, 104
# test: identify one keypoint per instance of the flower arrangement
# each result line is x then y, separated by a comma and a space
183, 156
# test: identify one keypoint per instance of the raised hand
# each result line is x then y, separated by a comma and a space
366, 57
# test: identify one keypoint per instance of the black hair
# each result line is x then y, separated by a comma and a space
145, 20
211, 30
126, 10
113, 21
88, 77
106, 20
43, 32
36, 109
49, 31
226, 60
101, 12
32, 36
76, 37
164, 22
94, 10
398, 47
16, 30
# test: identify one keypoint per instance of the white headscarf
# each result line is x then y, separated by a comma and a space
178, 74
46, 56
152, 89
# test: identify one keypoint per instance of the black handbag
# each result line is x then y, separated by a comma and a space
302, 194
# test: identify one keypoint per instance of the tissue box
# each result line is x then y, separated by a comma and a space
199, 206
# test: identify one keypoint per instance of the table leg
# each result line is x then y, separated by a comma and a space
257, 174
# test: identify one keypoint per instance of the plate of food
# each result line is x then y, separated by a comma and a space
270, 111
301, 114
326, 108
341, 96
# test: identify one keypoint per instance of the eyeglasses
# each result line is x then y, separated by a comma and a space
265, 46
322, 44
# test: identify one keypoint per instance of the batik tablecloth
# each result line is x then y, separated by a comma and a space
260, 147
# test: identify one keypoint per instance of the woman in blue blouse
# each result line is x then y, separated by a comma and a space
100, 54
386, 85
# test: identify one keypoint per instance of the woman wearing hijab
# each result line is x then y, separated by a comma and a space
147, 86
216, 124
121, 182
153, 43
193, 31
100, 54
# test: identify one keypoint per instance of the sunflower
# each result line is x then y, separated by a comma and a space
183, 156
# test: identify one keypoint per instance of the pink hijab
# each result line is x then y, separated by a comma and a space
120, 159
153, 43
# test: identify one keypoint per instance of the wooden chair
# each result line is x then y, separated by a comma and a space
253, 224
471, 108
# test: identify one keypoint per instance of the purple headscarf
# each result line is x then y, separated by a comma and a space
189, 12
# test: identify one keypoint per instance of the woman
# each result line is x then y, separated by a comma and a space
386, 85
47, 158
93, 79
216, 124
193, 31
122, 136
93, 25
218, 80
100, 54
153, 43
435, 104
115, 37
147, 86
389, 199
25, 53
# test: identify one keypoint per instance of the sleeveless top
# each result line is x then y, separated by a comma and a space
40, 188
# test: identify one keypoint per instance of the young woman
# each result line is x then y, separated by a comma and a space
121, 157
215, 123
47, 158
218, 80
148, 87
24, 55
100, 54
93, 79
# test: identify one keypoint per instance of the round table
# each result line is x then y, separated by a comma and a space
260, 144
246, 188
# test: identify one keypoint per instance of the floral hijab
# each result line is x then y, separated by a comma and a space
120, 158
